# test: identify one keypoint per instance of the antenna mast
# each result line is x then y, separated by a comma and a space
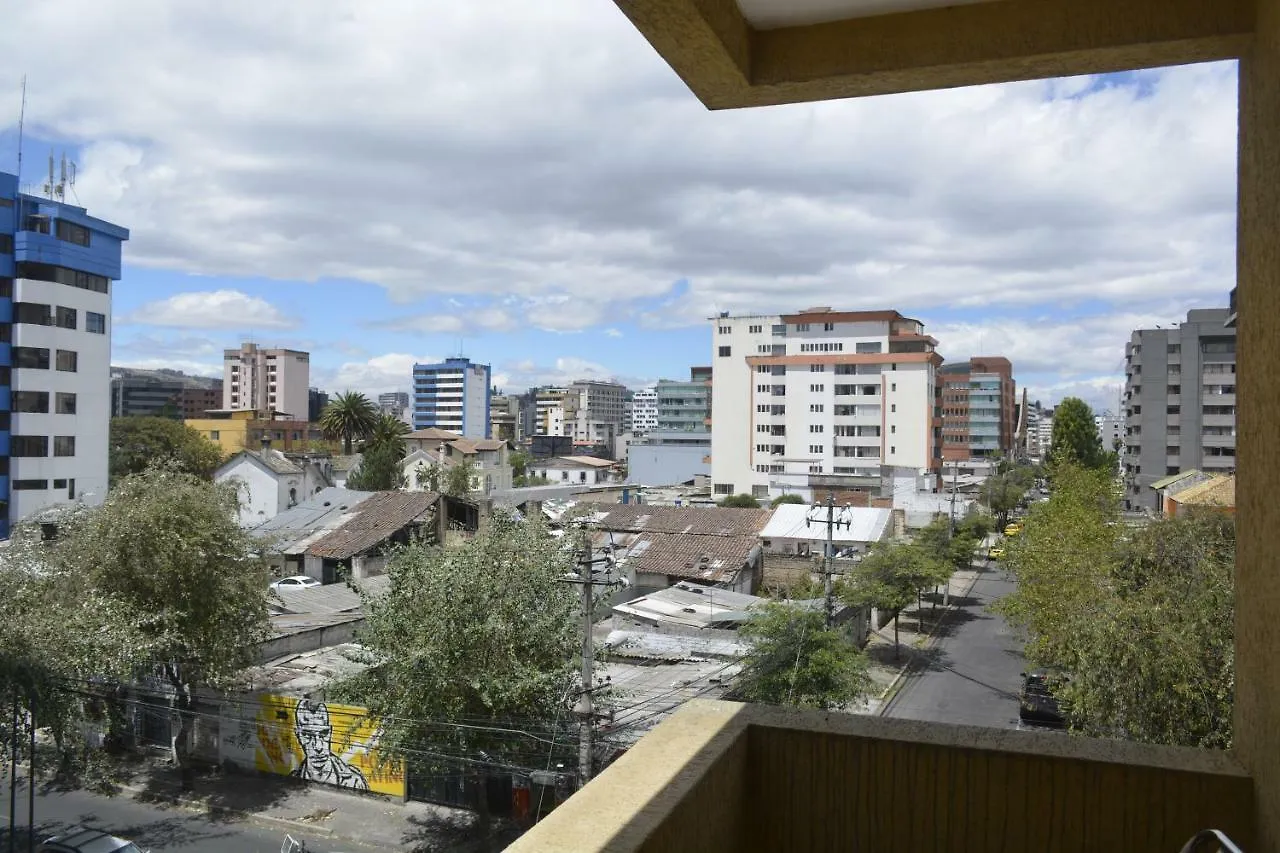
22, 118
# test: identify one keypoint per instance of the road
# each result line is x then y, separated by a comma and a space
972, 675
152, 827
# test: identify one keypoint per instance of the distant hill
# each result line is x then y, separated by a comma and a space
167, 375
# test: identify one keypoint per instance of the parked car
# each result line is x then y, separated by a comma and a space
80, 840
295, 582
1037, 705
996, 553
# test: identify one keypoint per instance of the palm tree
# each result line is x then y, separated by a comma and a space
348, 416
389, 432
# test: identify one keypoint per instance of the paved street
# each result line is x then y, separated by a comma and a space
152, 827
972, 674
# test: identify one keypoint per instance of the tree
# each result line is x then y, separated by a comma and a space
479, 633
786, 499
349, 416
740, 502
138, 443
1061, 562
1156, 662
1075, 436
520, 460
1004, 490
891, 576
165, 550
379, 470
456, 480
795, 660
388, 432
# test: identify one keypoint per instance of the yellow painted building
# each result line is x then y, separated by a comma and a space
247, 429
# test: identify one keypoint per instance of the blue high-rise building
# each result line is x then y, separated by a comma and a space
57, 264
452, 395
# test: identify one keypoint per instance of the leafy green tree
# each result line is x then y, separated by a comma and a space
379, 470
740, 502
467, 638
1062, 561
1075, 437
137, 443
786, 499
1156, 662
349, 416
520, 460
795, 660
457, 480
1004, 490
891, 576
388, 432
165, 550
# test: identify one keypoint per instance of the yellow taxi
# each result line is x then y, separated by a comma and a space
996, 553
1013, 529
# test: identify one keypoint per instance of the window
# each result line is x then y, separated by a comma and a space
1173, 410
67, 360
867, 348
893, 449
214, 434
1175, 348
817, 368
64, 403
817, 428
815, 448
755, 330
816, 407
37, 223
32, 313
29, 445
893, 386
6, 288
72, 233
6, 244
725, 351
64, 445
36, 402
65, 318
62, 275
29, 485
1174, 389
802, 327
893, 407
725, 330
817, 388
828, 327
5, 202
60, 484
893, 429
36, 358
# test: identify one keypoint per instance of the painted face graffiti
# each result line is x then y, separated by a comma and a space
314, 732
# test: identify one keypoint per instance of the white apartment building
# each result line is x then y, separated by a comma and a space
819, 400
274, 379
453, 395
549, 411
644, 410
1110, 430
593, 411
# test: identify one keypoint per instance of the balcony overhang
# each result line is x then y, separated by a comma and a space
719, 776
760, 52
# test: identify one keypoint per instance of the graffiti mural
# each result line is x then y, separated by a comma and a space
312, 740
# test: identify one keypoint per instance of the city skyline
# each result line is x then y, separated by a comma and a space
523, 222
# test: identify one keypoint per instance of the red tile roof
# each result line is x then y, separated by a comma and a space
693, 520
377, 520
708, 559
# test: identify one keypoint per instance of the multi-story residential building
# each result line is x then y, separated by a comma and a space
273, 379
452, 395
393, 403
821, 400
1110, 430
683, 406
56, 268
978, 408
593, 411
644, 410
548, 408
1180, 402
504, 419
162, 393
316, 402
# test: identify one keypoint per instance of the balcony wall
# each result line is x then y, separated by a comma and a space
718, 776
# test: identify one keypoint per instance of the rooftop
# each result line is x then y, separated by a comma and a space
706, 559
274, 460
296, 528
865, 524
690, 605
1219, 491
699, 521
376, 520
571, 461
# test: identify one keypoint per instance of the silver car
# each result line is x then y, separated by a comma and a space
80, 840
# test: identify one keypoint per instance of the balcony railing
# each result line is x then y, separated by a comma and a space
718, 776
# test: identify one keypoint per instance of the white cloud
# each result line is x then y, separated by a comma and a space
382, 142
389, 372
216, 309
613, 333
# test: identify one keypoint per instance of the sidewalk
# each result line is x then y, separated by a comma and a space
326, 818
887, 665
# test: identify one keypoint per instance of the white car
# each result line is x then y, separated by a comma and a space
79, 840
295, 582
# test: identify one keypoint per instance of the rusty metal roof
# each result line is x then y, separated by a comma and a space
693, 520
376, 520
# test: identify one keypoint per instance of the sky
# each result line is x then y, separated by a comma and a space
530, 185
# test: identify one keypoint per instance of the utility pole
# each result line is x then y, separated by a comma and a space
955, 475
585, 708
832, 522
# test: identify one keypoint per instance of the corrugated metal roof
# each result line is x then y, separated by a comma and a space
297, 527
375, 521
1165, 482
330, 598
690, 605
693, 520
865, 524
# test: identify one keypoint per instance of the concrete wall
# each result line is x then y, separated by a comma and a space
666, 465
308, 640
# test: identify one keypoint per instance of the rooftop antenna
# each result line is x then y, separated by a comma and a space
22, 118
57, 189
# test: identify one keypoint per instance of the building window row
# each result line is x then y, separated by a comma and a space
822, 347
62, 275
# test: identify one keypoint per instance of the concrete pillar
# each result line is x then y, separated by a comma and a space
1257, 709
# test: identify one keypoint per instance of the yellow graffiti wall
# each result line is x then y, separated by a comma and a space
312, 740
